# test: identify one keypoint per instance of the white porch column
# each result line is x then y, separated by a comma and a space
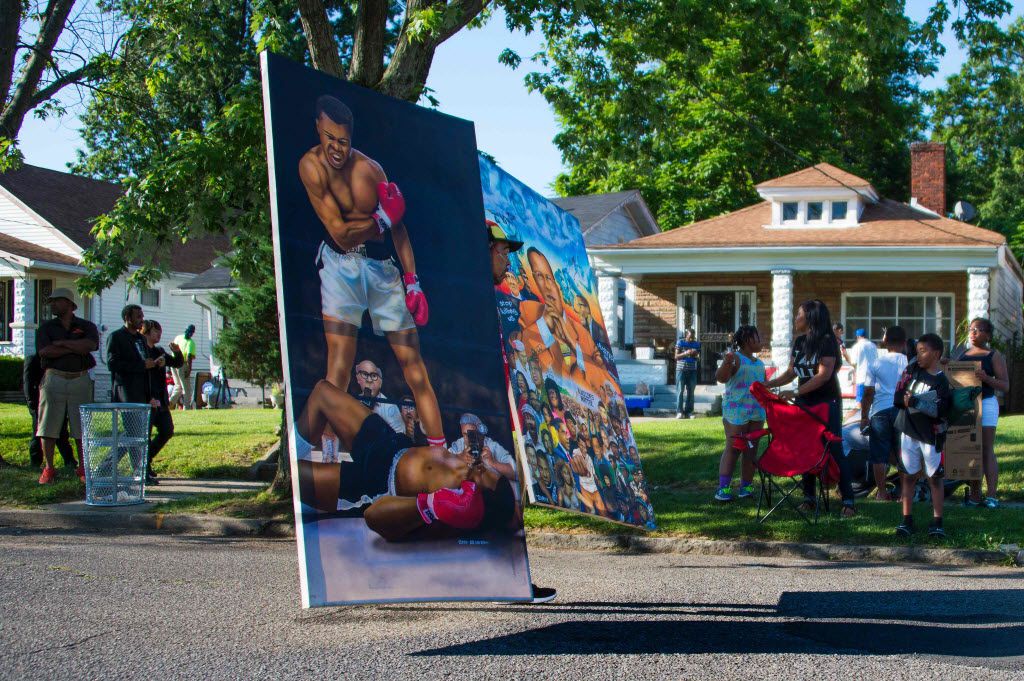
977, 292
782, 317
608, 301
24, 325
627, 311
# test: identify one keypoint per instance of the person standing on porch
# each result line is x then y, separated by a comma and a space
815, 362
183, 374
687, 355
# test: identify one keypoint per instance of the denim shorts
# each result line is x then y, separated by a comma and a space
884, 438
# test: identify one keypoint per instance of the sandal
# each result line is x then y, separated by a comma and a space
847, 511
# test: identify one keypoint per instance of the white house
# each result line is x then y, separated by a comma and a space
45, 222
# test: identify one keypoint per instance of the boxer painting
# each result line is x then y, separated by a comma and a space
359, 208
359, 182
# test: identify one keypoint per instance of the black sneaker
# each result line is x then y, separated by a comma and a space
936, 531
152, 480
543, 594
905, 529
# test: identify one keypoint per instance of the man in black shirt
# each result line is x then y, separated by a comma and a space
64, 345
128, 359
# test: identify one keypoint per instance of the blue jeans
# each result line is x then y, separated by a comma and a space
686, 380
884, 438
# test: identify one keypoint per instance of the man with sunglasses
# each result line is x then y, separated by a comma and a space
369, 378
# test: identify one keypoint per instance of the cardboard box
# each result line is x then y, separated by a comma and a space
963, 439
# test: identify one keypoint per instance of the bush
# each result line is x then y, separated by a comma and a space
10, 373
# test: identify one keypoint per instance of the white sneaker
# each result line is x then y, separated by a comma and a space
679, 414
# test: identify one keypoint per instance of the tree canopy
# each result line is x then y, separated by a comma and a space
980, 115
694, 102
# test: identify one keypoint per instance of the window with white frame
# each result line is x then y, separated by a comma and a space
44, 287
917, 313
149, 297
815, 211
6, 310
790, 211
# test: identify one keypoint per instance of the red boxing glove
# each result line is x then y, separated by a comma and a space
462, 508
390, 206
415, 300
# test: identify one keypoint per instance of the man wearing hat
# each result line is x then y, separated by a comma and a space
501, 244
64, 345
183, 374
862, 354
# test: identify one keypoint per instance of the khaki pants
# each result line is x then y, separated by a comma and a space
61, 393
182, 387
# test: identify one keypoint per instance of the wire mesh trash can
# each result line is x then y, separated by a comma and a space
115, 440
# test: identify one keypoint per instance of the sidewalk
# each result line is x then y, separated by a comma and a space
146, 518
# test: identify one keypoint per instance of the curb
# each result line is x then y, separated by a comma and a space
224, 526
631, 544
176, 523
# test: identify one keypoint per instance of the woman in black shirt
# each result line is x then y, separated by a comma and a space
160, 416
814, 362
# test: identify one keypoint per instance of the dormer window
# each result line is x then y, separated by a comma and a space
819, 197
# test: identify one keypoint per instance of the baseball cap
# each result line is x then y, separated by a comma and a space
497, 232
65, 293
860, 332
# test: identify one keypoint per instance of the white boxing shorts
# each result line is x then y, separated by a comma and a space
352, 283
914, 453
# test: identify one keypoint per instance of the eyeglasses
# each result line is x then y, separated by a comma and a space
368, 376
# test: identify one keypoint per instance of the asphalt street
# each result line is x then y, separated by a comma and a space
86, 605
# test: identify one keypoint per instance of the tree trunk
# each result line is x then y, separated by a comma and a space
367, 65
322, 48
23, 99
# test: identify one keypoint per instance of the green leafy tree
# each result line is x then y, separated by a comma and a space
693, 102
179, 121
45, 49
979, 114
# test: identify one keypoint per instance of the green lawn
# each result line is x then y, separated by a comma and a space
220, 443
680, 459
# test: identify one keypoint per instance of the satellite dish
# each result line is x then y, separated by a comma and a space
964, 211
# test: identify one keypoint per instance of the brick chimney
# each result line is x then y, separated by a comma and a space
928, 176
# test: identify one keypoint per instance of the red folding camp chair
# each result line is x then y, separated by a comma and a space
798, 444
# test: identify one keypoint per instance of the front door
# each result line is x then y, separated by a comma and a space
714, 316
717, 322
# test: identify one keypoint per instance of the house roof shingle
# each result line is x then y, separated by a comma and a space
216, 277
886, 223
71, 203
26, 249
593, 208
818, 175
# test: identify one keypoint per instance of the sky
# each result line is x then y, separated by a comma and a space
515, 126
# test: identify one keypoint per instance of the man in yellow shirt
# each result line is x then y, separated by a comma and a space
183, 375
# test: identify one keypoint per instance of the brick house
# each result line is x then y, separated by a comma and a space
818, 233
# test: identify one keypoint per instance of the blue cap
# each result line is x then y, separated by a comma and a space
859, 332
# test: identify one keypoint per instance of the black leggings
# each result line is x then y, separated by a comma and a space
161, 420
835, 424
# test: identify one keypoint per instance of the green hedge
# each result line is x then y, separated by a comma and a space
10, 373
